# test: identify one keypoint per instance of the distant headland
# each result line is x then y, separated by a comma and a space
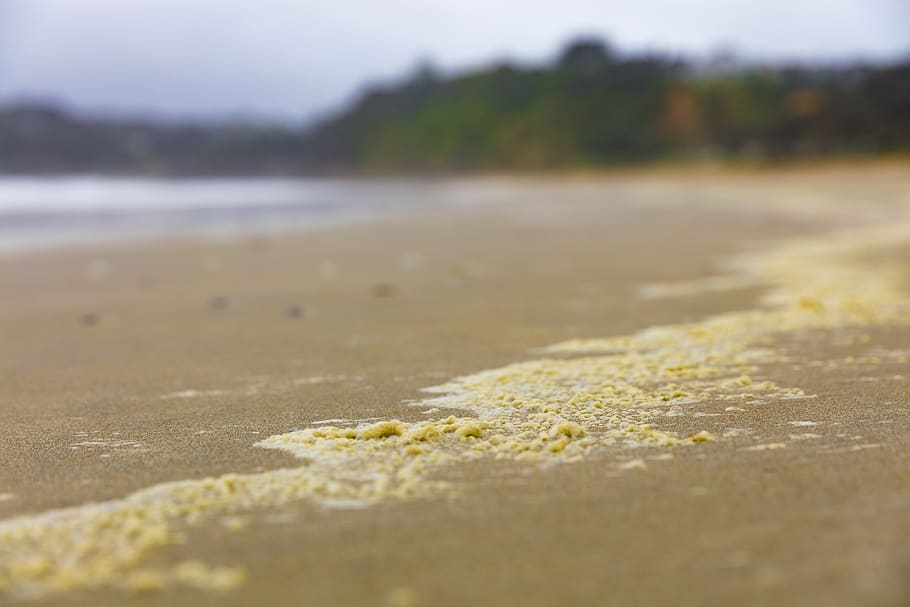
591, 107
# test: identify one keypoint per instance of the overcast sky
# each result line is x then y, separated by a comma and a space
295, 58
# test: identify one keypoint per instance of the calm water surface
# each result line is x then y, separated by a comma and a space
47, 212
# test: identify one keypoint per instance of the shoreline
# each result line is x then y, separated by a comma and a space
75, 227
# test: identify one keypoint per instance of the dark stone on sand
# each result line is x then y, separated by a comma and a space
219, 303
89, 320
384, 290
295, 312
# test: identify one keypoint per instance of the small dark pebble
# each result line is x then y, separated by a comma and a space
219, 303
384, 290
295, 312
88, 320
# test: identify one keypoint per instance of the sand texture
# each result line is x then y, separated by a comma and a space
660, 388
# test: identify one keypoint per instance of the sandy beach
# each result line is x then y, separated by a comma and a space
647, 388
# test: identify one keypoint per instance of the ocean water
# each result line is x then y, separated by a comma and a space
49, 212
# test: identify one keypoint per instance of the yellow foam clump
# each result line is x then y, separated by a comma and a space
382, 430
472, 430
424, 432
702, 437
570, 429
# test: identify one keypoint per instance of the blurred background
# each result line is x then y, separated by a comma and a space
102, 102
227, 87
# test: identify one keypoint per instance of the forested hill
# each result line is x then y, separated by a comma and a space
591, 107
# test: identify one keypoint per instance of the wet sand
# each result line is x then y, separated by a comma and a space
124, 367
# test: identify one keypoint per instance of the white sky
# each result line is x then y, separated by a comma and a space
293, 58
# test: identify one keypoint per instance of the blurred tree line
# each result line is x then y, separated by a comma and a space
591, 107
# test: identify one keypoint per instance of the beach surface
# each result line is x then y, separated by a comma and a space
679, 388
